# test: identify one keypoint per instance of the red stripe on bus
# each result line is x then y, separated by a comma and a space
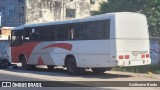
60, 45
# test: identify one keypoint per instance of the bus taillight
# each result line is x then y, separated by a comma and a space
147, 55
121, 57
143, 56
126, 56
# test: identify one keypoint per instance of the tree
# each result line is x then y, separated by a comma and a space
150, 8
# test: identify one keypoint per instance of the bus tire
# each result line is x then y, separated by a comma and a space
26, 66
24, 63
50, 67
72, 67
99, 70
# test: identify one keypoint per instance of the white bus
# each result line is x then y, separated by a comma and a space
97, 42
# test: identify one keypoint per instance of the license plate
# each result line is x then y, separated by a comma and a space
135, 53
136, 62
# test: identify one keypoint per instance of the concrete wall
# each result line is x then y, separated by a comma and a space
42, 11
51, 10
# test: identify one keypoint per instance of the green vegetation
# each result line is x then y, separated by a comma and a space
140, 69
151, 8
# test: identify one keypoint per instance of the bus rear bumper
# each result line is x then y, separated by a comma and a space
136, 62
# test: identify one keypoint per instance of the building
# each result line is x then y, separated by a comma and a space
12, 12
5, 32
18, 12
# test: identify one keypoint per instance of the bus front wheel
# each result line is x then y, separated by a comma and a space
72, 67
25, 65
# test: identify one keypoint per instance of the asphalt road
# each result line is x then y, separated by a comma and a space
43, 74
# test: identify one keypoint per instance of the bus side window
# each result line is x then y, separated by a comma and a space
52, 33
90, 30
17, 38
33, 36
106, 27
43, 33
62, 32
80, 31
100, 32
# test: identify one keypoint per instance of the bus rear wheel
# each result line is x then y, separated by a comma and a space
100, 70
72, 67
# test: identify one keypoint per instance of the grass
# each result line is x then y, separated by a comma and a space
140, 69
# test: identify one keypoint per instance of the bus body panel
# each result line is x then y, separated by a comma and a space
46, 53
94, 61
132, 45
92, 54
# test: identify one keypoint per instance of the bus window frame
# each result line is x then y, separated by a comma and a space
22, 37
67, 26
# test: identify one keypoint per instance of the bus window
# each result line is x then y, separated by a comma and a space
17, 38
80, 31
102, 29
28, 34
62, 33
100, 33
52, 33
33, 35
106, 27
91, 30
43, 33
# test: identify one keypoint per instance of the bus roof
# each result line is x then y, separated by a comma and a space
7, 28
85, 19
